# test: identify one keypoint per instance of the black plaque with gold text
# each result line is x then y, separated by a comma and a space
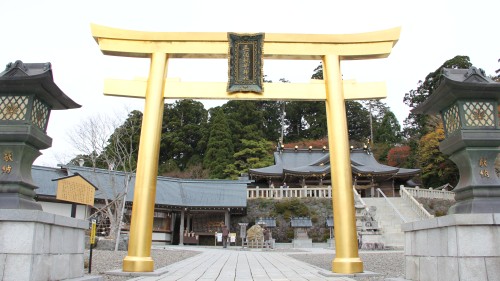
245, 62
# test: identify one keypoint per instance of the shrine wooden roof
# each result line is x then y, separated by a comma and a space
170, 192
316, 163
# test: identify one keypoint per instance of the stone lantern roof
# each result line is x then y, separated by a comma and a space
34, 78
458, 84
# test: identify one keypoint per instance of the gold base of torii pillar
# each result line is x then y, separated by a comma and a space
331, 49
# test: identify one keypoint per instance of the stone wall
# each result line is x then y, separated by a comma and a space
35, 245
453, 247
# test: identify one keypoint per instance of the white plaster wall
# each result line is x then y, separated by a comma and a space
63, 209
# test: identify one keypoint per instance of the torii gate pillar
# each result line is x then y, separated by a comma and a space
331, 49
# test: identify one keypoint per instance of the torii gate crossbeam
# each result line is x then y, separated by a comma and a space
160, 46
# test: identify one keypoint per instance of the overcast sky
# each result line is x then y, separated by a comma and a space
58, 32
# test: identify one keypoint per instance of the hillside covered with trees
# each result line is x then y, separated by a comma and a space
225, 141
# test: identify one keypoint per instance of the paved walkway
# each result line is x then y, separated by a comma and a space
237, 264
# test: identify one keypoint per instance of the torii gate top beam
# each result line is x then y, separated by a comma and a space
130, 43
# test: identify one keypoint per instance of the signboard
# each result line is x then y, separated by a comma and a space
232, 237
75, 189
245, 62
92, 232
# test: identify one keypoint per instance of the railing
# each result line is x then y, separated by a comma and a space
392, 206
415, 205
286, 192
430, 193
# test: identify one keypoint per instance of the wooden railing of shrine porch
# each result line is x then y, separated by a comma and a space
288, 192
326, 192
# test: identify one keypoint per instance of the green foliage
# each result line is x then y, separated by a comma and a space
183, 132
436, 207
358, 121
271, 119
219, 153
294, 206
437, 169
417, 125
389, 130
253, 154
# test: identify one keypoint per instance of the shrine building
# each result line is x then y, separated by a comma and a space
311, 167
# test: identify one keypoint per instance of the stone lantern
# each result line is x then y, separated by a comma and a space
467, 101
27, 96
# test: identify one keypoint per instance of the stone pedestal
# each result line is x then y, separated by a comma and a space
302, 243
371, 241
454, 247
35, 245
331, 243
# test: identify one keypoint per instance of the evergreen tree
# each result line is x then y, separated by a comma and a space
255, 154
358, 118
183, 134
417, 125
220, 151
271, 119
387, 135
389, 130
358, 121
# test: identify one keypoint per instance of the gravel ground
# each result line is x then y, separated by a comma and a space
103, 261
386, 263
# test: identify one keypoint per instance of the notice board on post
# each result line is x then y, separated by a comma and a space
76, 189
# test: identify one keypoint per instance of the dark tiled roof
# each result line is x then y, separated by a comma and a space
270, 222
459, 84
34, 78
169, 191
317, 162
301, 222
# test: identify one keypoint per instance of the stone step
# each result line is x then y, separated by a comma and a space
389, 221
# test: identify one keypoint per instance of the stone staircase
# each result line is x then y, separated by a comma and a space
389, 221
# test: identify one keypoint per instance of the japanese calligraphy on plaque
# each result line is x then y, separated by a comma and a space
7, 158
483, 164
245, 62
75, 189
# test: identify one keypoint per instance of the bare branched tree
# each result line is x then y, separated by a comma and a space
104, 142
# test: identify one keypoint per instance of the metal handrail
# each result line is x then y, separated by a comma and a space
393, 207
415, 205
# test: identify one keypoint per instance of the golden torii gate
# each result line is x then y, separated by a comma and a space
160, 46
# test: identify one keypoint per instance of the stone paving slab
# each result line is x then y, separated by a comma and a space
235, 264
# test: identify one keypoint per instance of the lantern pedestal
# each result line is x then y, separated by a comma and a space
468, 102
463, 245
17, 190
478, 190
34, 245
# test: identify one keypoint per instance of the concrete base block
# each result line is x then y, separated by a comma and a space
39, 246
331, 243
454, 247
371, 241
302, 243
